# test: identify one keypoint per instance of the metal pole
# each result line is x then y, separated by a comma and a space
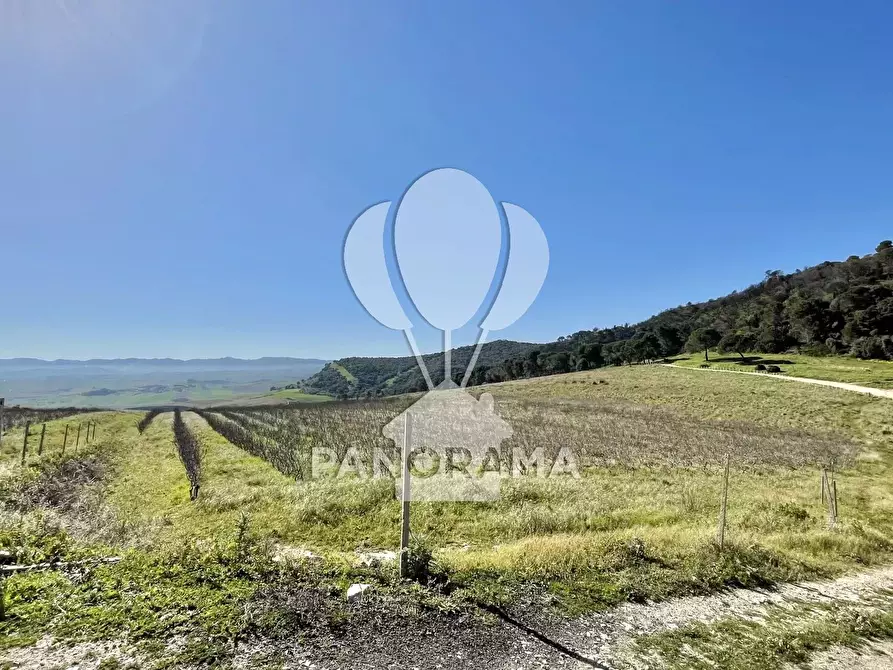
25, 443
834, 503
404, 529
65, 439
43, 432
725, 502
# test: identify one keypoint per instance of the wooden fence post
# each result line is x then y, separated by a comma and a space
78, 440
721, 533
2, 403
404, 526
43, 432
93, 432
65, 439
824, 483
25, 443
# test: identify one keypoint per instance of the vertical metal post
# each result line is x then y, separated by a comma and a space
404, 528
725, 502
25, 443
43, 432
833, 503
65, 439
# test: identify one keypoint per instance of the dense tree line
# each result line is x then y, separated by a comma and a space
833, 308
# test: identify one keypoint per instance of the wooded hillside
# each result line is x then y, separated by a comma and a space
841, 307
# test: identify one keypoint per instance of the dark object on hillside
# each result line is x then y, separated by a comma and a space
773, 369
704, 365
760, 368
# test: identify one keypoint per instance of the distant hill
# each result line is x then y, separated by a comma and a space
389, 376
843, 307
136, 382
228, 363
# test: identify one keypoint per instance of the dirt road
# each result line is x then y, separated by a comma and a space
881, 393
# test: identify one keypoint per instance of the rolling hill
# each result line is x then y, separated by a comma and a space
843, 307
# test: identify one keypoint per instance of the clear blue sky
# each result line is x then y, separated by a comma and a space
181, 185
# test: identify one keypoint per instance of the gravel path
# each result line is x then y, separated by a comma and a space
881, 393
608, 637
874, 656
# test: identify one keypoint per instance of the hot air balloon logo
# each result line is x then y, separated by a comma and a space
447, 241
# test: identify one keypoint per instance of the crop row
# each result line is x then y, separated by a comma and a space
190, 453
15, 417
146, 421
603, 434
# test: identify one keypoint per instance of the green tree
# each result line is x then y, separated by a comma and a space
703, 338
739, 342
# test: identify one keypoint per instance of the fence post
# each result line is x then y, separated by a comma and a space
2, 403
833, 497
824, 483
404, 526
78, 440
65, 439
725, 502
43, 432
25, 443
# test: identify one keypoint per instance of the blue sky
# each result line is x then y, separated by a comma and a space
180, 184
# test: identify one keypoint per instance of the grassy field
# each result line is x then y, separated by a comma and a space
878, 374
639, 523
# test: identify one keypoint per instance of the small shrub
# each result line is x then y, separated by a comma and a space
760, 368
773, 369
421, 566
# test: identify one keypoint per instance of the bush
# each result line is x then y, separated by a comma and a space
820, 349
878, 347
773, 369
760, 368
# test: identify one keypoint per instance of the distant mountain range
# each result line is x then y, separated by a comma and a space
139, 382
226, 363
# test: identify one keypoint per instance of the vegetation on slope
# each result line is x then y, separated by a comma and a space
833, 308
199, 578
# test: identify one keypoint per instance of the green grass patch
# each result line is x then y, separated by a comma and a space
343, 371
877, 374
770, 641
